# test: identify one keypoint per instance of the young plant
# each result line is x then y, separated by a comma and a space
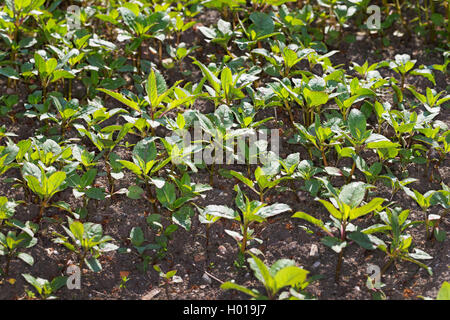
166, 277
45, 186
158, 98
441, 197
46, 289
12, 246
69, 111
87, 241
182, 212
137, 239
344, 206
425, 202
395, 223
307, 172
82, 187
104, 140
163, 235
266, 179
283, 273
250, 212
7, 102
320, 137
430, 100
140, 26
228, 88
403, 65
207, 217
145, 166
48, 72
220, 35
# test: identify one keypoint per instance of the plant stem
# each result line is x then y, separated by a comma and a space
322, 150
338, 266
244, 238
386, 266
41, 210
351, 172
69, 94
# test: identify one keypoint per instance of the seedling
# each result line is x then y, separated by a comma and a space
12, 246
45, 186
344, 207
266, 179
250, 212
87, 241
395, 225
46, 289
166, 278
283, 273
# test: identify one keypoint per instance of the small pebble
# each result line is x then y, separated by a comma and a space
222, 250
151, 294
9, 91
316, 264
314, 252
206, 278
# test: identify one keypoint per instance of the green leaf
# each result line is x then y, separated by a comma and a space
334, 243
263, 23
420, 254
220, 211
377, 141
290, 276
9, 73
77, 230
152, 90
444, 292
353, 193
231, 285
212, 79
261, 272
135, 192
302, 215
331, 209
34, 184
273, 210
58, 74
239, 176
226, 79
121, 98
315, 98
25, 257
183, 216
356, 123
55, 181
95, 193
93, 264
145, 150
362, 239
58, 282
365, 209
166, 195
131, 166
